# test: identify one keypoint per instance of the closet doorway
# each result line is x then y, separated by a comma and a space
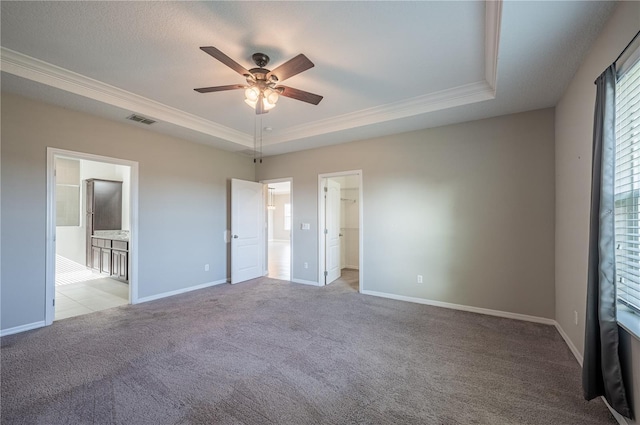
279, 221
340, 231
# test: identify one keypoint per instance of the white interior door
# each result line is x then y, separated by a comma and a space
247, 230
332, 231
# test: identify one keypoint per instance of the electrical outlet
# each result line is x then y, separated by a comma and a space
206, 267
306, 265
575, 317
419, 278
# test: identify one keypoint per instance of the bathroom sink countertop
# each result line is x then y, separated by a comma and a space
118, 235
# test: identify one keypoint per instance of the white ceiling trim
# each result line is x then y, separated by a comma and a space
493, 18
42, 72
457, 96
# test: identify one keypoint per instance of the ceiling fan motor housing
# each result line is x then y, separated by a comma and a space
258, 78
260, 59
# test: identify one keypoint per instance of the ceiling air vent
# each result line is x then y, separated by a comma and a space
140, 119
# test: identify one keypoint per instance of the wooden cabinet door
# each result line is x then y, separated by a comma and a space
89, 232
107, 205
89, 196
115, 264
95, 258
105, 263
119, 265
123, 271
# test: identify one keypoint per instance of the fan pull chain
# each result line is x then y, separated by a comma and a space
255, 138
261, 128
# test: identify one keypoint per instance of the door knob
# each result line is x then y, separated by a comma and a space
235, 236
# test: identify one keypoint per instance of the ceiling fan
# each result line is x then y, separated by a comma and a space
262, 89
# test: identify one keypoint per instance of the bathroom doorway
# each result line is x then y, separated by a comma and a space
91, 251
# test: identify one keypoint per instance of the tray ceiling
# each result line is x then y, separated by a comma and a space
382, 67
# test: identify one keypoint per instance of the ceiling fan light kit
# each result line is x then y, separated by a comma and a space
269, 97
262, 90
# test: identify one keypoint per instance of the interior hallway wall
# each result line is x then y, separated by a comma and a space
183, 201
469, 206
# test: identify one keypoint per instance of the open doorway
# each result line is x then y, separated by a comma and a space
340, 237
279, 213
90, 254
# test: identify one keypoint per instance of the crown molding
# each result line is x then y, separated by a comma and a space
457, 96
42, 72
493, 20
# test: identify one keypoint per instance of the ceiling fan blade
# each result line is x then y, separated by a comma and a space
292, 67
225, 59
302, 95
219, 88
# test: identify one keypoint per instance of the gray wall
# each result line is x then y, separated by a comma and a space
469, 206
183, 191
574, 136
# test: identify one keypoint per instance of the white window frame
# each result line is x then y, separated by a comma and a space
627, 188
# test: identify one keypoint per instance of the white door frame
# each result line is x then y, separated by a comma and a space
321, 244
266, 245
50, 249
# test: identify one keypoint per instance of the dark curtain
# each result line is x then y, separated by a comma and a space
601, 372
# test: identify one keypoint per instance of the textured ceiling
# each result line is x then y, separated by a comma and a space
382, 67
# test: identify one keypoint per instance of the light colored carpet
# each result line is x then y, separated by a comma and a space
273, 352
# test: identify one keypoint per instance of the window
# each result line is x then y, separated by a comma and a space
287, 216
627, 189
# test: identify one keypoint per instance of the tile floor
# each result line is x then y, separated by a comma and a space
81, 291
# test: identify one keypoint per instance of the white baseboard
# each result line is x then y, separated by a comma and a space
22, 328
480, 310
354, 267
569, 343
621, 419
180, 291
305, 282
